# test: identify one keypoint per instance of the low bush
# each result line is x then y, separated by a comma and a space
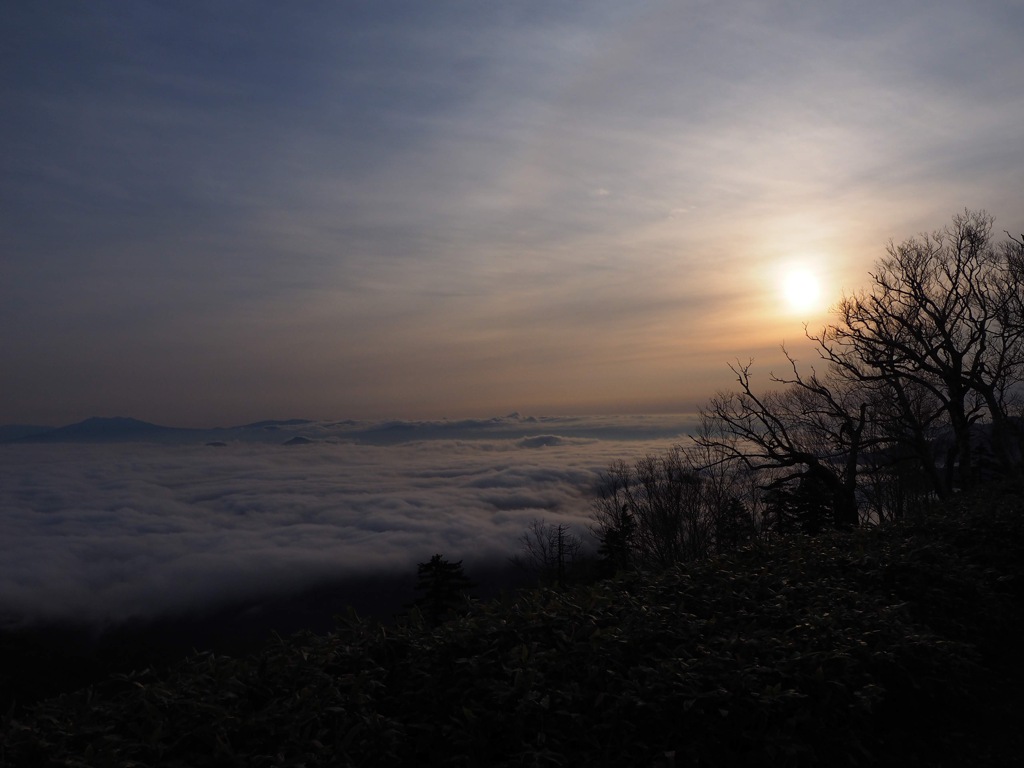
876, 647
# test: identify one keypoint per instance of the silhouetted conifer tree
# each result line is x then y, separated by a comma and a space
444, 586
805, 508
734, 526
616, 548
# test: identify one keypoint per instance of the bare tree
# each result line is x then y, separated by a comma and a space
550, 550
940, 331
658, 498
911, 368
1012, 252
730, 497
809, 430
669, 508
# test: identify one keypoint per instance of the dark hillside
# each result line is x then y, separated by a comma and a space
893, 646
42, 661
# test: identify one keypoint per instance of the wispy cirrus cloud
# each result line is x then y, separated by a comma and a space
367, 209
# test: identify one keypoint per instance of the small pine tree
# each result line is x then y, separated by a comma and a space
444, 586
734, 526
616, 549
805, 509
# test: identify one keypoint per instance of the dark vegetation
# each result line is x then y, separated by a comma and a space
444, 588
831, 574
895, 645
41, 661
553, 555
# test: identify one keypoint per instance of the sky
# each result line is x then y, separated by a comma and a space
101, 534
212, 213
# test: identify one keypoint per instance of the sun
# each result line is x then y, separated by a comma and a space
801, 290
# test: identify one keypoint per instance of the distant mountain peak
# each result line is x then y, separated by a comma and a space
275, 423
102, 429
112, 423
115, 421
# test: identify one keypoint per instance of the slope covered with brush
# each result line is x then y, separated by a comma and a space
892, 646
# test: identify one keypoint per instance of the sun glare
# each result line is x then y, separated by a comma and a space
801, 290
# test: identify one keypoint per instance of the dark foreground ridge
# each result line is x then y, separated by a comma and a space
895, 646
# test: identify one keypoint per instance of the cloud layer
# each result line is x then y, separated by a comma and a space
103, 533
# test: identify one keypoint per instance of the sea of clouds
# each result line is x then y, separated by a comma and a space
108, 532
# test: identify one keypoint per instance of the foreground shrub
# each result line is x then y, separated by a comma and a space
841, 650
